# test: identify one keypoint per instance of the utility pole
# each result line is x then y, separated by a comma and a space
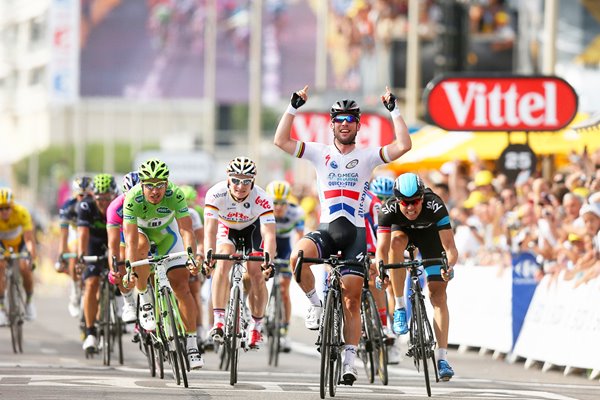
255, 95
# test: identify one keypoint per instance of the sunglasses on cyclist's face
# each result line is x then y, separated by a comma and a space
348, 118
154, 185
280, 203
415, 202
238, 181
5, 208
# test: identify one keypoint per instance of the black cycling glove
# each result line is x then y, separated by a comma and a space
297, 101
390, 105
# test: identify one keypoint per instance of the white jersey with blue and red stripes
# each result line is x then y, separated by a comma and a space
343, 179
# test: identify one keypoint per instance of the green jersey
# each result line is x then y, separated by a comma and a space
154, 218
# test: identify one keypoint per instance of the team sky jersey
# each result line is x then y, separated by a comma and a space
342, 178
114, 213
373, 207
154, 218
219, 204
292, 220
11, 230
433, 215
88, 215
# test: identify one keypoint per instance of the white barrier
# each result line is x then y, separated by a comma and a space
479, 302
562, 326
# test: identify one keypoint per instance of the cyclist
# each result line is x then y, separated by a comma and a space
418, 215
343, 173
156, 211
236, 209
93, 241
196, 281
81, 187
16, 232
382, 187
290, 228
116, 246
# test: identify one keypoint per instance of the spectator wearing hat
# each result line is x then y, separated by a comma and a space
587, 267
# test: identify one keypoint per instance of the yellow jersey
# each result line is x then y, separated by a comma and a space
11, 230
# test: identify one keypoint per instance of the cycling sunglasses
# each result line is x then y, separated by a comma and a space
157, 185
279, 203
408, 202
5, 208
238, 181
348, 118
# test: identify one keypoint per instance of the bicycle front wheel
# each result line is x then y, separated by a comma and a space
105, 321
274, 318
420, 350
326, 339
234, 332
377, 339
15, 312
179, 355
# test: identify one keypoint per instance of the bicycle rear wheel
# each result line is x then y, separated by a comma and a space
178, 354
234, 332
148, 350
377, 339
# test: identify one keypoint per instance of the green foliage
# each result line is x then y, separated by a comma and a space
58, 162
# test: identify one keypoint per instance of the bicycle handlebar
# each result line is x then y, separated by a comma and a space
413, 264
210, 255
83, 259
14, 256
154, 259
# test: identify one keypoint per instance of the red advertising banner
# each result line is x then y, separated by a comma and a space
375, 130
502, 103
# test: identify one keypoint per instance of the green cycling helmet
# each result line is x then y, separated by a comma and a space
104, 183
189, 193
153, 169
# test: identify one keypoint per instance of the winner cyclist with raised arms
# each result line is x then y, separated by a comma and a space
343, 173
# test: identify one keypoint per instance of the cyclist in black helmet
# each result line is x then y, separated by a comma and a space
343, 172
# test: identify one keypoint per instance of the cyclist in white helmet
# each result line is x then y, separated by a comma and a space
343, 173
237, 210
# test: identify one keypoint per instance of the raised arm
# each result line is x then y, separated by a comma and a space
403, 143
284, 128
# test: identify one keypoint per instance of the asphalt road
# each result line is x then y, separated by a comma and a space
53, 366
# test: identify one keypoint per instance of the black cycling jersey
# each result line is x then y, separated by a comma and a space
423, 232
90, 216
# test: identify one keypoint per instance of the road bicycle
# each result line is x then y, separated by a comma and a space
372, 347
236, 322
168, 341
109, 323
330, 342
275, 315
15, 296
421, 343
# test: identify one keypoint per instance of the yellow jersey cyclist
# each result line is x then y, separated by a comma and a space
16, 232
93, 241
289, 218
156, 211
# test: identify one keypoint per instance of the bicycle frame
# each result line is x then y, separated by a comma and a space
329, 341
235, 322
421, 339
16, 301
170, 331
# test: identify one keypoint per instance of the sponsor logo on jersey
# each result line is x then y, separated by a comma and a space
139, 199
236, 216
434, 205
84, 205
169, 193
264, 203
246, 205
334, 165
327, 159
219, 195
163, 210
352, 164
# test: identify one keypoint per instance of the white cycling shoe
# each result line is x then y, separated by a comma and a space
350, 374
128, 313
146, 316
313, 319
90, 343
195, 358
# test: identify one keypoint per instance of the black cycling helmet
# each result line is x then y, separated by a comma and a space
408, 186
345, 106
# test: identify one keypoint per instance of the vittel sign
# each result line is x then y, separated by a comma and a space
500, 103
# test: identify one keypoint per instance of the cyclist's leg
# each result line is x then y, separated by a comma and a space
142, 272
284, 251
220, 286
91, 279
400, 240
27, 275
195, 283
128, 294
3, 316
